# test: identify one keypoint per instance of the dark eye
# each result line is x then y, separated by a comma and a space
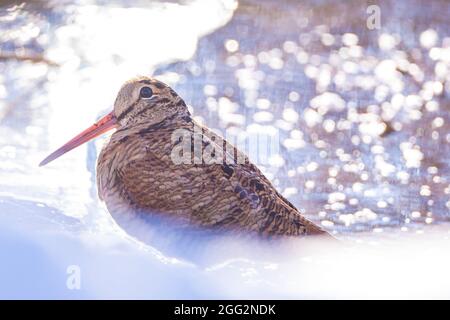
146, 92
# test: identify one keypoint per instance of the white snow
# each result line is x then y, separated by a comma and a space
39, 243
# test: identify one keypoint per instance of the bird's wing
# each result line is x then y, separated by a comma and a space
252, 187
219, 195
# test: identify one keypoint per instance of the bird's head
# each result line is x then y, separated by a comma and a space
146, 100
141, 100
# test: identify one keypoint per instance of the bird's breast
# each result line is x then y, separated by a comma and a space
121, 160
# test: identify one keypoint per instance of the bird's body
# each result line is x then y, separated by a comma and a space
138, 172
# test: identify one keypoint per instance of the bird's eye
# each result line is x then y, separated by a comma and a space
146, 92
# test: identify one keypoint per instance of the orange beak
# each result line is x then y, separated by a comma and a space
103, 125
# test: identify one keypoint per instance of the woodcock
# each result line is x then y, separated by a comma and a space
138, 175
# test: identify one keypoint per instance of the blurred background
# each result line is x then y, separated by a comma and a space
357, 92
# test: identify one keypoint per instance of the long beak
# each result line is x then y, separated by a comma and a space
106, 123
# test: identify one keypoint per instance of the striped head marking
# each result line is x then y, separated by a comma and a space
146, 100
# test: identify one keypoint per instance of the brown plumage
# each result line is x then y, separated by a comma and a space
138, 176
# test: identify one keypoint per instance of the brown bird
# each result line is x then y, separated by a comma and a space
161, 164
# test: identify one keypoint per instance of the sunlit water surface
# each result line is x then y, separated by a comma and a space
362, 117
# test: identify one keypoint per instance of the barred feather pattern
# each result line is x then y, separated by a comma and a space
136, 175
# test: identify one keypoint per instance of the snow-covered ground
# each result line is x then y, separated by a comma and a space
58, 241
40, 246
